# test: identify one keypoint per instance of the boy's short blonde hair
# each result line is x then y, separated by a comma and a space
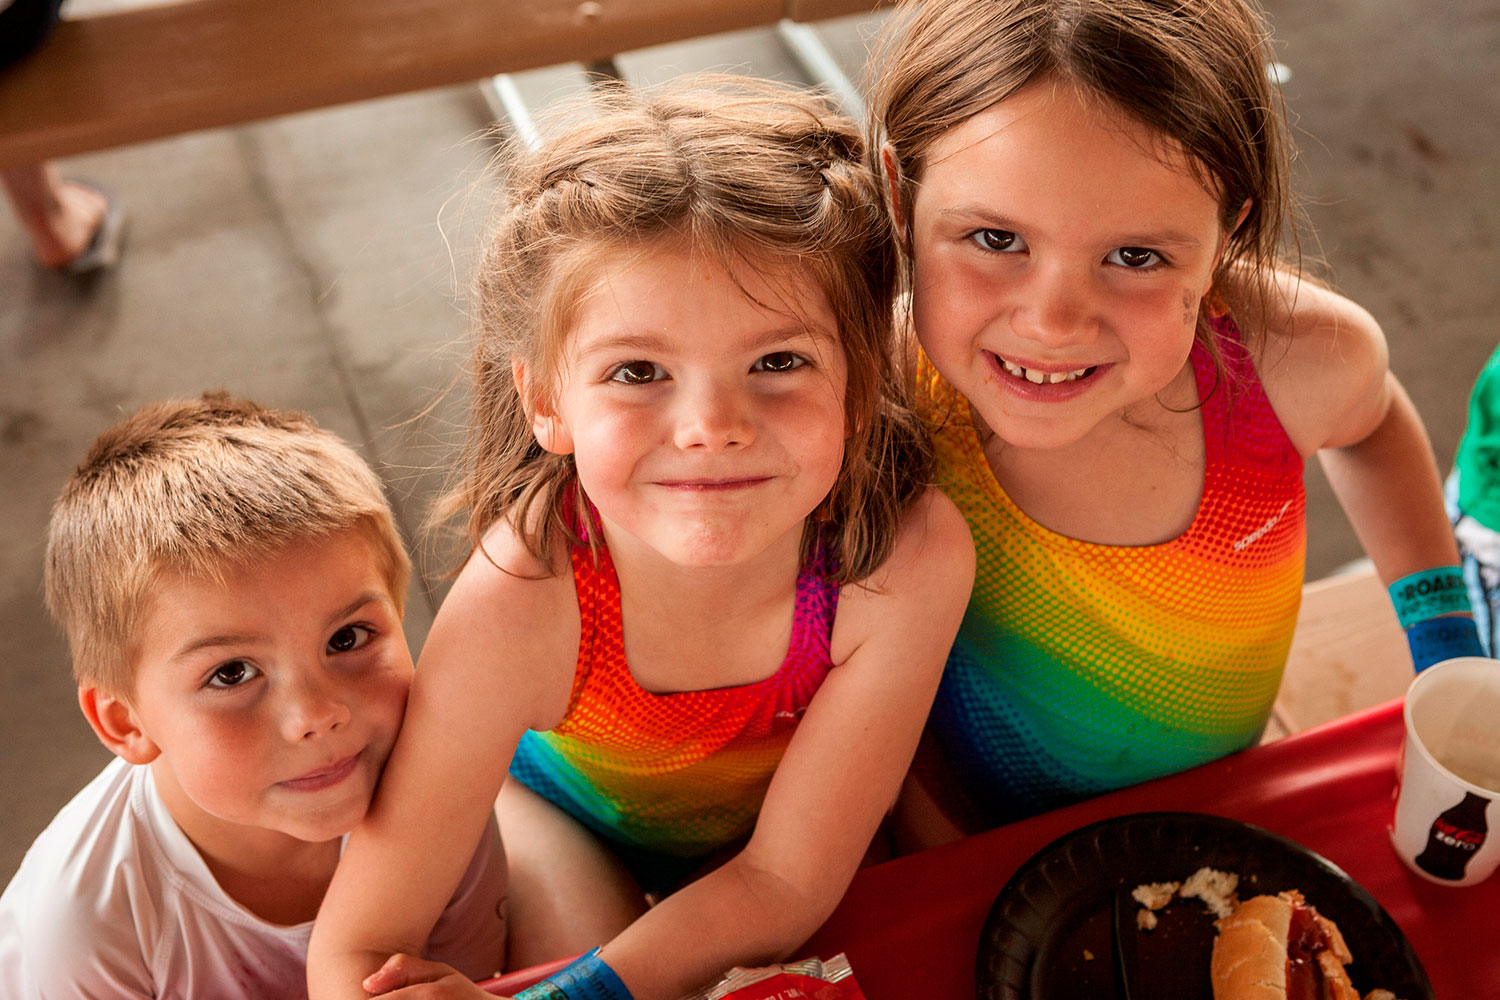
191, 487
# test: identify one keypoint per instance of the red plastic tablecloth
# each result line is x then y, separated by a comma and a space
911, 926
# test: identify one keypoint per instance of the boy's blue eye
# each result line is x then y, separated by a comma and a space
637, 372
1134, 257
348, 639
999, 240
232, 674
779, 361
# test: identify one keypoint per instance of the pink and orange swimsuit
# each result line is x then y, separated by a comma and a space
684, 773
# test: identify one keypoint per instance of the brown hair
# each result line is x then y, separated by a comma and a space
749, 172
191, 487
1195, 71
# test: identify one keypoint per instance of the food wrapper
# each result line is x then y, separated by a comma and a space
812, 979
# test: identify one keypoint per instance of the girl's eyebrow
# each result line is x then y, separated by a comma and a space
624, 340
1169, 238
969, 212
649, 343
794, 329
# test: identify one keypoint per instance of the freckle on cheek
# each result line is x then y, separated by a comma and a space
1189, 308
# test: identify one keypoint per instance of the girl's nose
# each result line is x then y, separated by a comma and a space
315, 707
713, 418
1057, 309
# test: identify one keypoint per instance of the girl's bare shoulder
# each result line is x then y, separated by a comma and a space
1322, 359
502, 568
932, 558
510, 619
909, 609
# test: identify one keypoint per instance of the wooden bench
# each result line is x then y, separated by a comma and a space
144, 73
1348, 653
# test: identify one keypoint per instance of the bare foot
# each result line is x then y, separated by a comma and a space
60, 216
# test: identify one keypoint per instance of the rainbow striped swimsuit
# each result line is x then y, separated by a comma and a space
679, 774
1081, 668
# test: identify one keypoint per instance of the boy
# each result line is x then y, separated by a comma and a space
231, 583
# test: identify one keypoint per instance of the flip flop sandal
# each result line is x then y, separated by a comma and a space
103, 251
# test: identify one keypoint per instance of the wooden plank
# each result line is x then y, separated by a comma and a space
1349, 652
819, 10
144, 73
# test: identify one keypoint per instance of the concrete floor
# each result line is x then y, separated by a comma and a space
319, 261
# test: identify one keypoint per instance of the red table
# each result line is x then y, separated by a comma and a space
911, 926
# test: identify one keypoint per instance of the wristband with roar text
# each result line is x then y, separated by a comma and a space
1428, 594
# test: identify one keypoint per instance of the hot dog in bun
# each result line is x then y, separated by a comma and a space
1280, 948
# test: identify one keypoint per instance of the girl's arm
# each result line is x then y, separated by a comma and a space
839, 777
1325, 369
499, 659
1389, 486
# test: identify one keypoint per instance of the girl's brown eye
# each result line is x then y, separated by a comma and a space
1135, 256
998, 240
636, 372
780, 361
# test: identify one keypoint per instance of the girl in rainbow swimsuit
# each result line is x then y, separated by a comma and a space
1124, 380
711, 590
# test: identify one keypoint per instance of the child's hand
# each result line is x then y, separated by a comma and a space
426, 979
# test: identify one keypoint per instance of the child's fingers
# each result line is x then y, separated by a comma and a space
405, 970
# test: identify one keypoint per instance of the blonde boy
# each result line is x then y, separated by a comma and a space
231, 583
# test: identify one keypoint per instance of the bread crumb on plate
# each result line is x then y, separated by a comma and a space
1155, 895
1215, 888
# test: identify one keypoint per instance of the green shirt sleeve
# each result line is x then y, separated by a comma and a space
1478, 458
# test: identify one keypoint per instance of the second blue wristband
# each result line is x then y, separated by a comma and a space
585, 978
1438, 639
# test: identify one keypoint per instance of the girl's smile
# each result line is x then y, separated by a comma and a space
714, 485
1040, 382
1061, 253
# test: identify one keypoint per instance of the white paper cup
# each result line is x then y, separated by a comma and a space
1446, 825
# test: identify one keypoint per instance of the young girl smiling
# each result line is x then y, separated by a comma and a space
1124, 378
711, 591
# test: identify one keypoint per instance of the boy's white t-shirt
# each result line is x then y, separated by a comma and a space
113, 900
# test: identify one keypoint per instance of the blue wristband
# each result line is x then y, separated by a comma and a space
1430, 593
544, 990
1438, 639
585, 978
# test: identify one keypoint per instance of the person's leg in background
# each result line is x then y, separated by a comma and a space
73, 226
65, 219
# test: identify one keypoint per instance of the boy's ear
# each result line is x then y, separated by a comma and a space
891, 169
116, 725
551, 433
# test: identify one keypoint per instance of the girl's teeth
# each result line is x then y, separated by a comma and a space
1042, 378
